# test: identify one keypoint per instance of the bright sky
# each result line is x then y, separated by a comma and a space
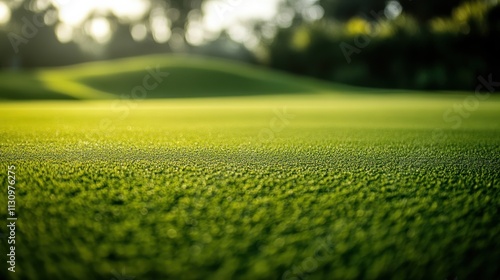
219, 14
4, 13
232, 15
224, 13
73, 12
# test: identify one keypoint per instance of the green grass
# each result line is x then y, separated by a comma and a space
188, 77
352, 187
25, 86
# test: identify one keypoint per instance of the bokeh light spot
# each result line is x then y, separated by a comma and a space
4, 13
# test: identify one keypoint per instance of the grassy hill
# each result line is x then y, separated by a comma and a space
188, 76
26, 85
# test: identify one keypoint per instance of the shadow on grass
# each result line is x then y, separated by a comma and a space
188, 77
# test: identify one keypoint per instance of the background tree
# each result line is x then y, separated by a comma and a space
418, 47
41, 47
423, 10
344, 10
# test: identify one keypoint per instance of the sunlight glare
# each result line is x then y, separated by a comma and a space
194, 34
139, 32
100, 30
393, 9
74, 12
64, 33
222, 14
4, 13
161, 29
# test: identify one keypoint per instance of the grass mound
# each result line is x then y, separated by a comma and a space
25, 86
188, 76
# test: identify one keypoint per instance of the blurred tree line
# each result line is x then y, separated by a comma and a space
30, 40
409, 44
420, 44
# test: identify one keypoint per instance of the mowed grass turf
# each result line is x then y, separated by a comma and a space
317, 186
161, 76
